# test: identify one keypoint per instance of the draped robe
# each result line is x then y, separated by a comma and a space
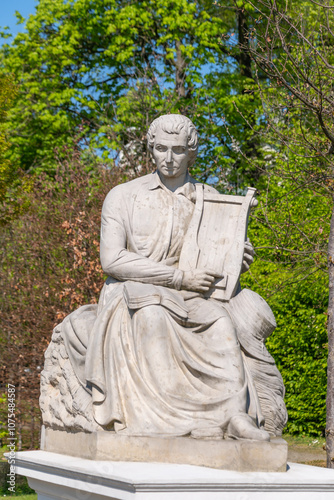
159, 360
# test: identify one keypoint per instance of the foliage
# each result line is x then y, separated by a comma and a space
39, 281
14, 184
104, 69
297, 195
298, 295
22, 489
7, 96
3, 418
290, 230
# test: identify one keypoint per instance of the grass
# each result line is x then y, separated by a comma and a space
22, 497
316, 463
21, 482
307, 450
309, 442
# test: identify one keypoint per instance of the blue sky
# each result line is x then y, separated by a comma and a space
7, 13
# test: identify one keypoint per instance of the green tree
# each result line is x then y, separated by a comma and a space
289, 230
102, 70
8, 92
50, 266
297, 58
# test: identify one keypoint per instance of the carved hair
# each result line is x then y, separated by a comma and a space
173, 124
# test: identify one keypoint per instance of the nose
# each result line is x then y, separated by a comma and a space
169, 158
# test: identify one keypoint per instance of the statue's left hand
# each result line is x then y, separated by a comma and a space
248, 256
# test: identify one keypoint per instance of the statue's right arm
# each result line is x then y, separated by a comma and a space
119, 262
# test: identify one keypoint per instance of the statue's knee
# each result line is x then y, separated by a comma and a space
227, 329
151, 314
151, 321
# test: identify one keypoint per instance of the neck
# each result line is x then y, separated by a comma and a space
173, 183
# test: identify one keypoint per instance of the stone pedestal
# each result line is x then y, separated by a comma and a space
237, 455
55, 476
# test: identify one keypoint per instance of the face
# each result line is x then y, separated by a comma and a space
170, 153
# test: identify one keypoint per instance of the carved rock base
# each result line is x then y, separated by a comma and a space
242, 456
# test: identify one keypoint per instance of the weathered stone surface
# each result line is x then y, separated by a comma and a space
174, 348
238, 455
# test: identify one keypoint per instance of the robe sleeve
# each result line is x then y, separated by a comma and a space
120, 263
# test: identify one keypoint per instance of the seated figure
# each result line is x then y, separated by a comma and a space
157, 356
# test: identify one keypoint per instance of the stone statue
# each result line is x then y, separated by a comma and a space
161, 355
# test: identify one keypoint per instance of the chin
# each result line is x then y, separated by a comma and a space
170, 172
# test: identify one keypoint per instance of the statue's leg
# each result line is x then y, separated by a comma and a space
221, 338
241, 425
192, 378
152, 341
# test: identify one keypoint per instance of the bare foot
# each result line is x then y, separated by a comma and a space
243, 427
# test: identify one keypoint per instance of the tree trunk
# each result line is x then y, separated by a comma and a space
330, 366
252, 145
180, 74
244, 58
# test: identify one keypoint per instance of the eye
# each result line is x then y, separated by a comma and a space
160, 147
179, 149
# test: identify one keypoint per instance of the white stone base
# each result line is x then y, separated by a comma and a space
55, 476
237, 455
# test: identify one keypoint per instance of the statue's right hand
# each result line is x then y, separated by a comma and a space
198, 280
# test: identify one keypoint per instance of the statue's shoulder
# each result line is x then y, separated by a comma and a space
210, 189
134, 183
207, 187
127, 188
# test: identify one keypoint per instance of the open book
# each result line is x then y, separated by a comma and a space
138, 295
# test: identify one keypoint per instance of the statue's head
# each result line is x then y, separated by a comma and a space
173, 126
